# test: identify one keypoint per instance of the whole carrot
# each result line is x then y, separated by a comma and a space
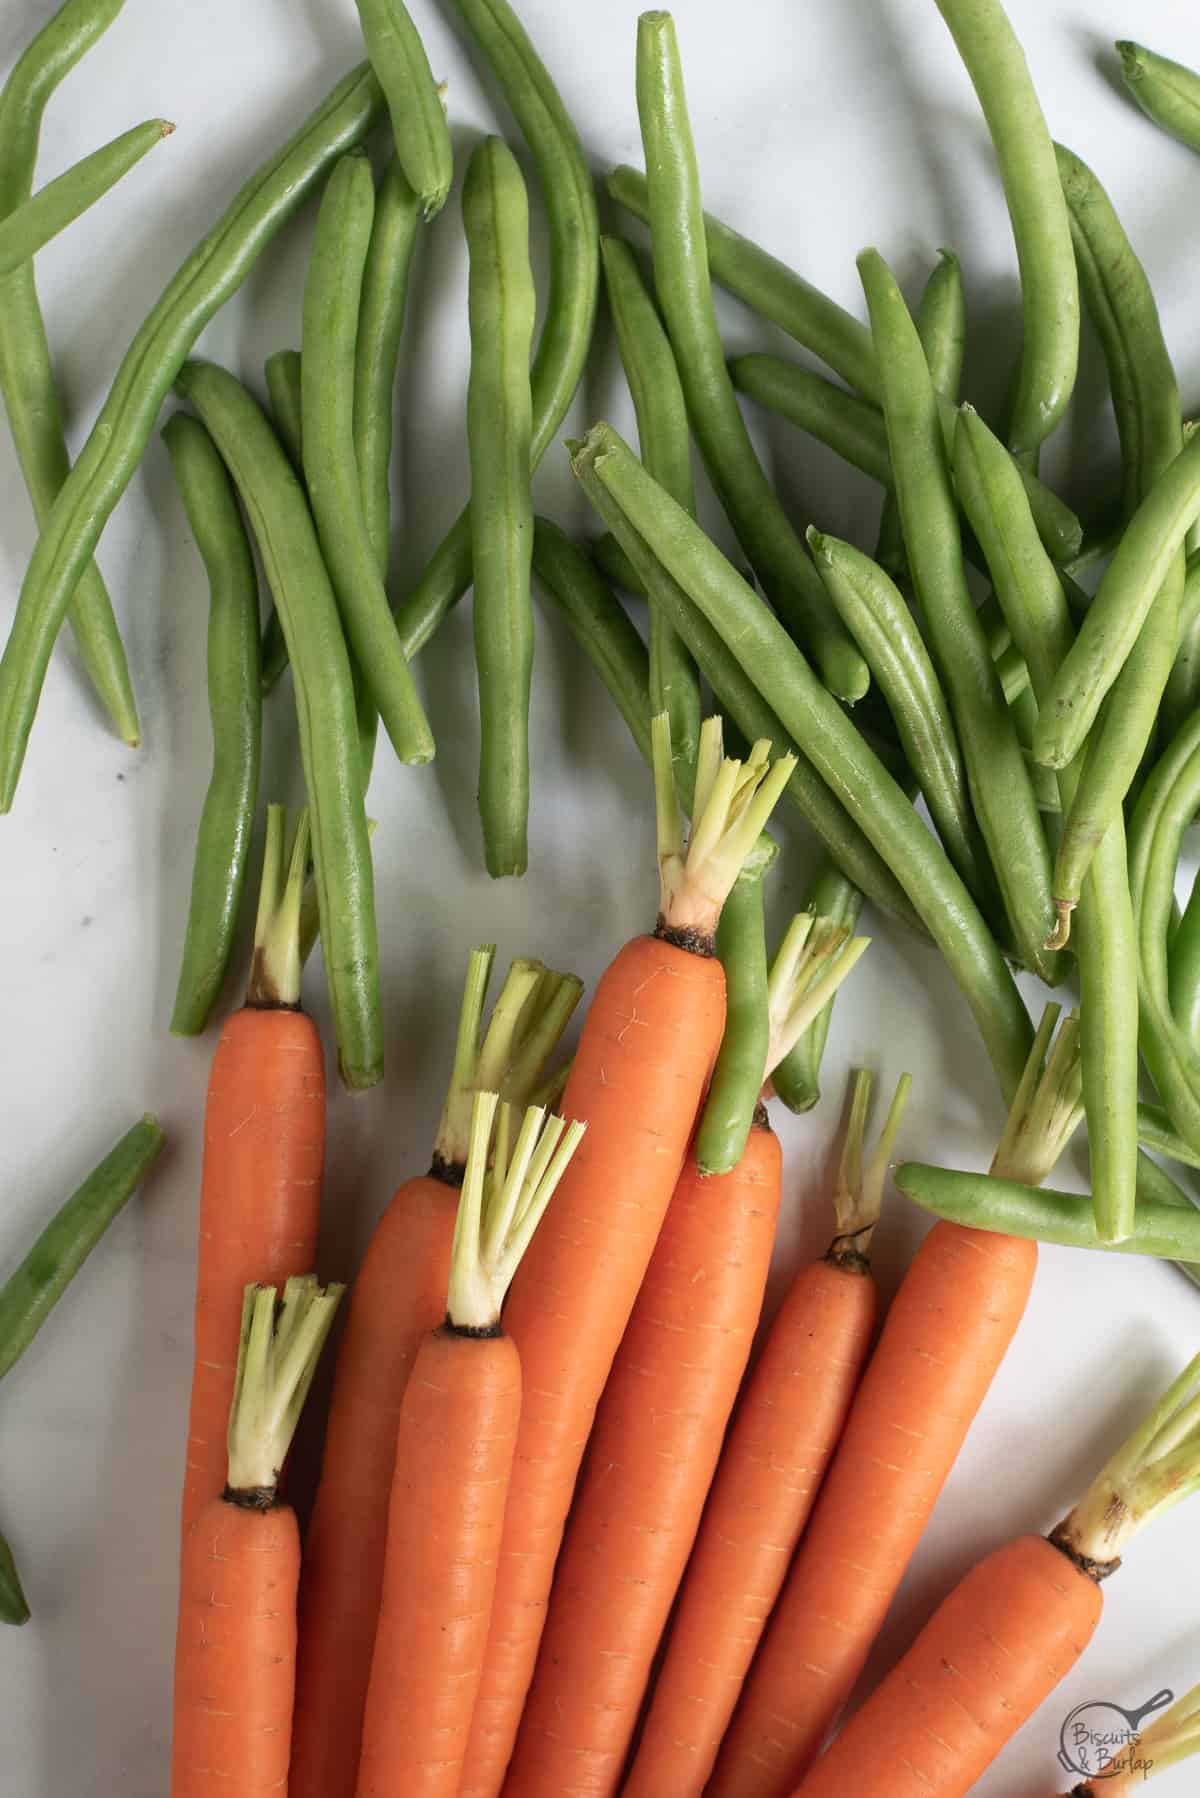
236, 1652
454, 1454
644, 1057
659, 1428
264, 1147
398, 1297
780, 1443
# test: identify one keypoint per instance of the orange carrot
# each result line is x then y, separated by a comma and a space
264, 1148
1012, 1629
454, 1452
398, 1297
644, 1057
783, 1434
236, 1649
657, 1437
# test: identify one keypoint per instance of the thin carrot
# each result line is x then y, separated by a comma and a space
945, 1336
1014, 1627
236, 1653
783, 1435
644, 1058
454, 1454
399, 1295
659, 1429
264, 1147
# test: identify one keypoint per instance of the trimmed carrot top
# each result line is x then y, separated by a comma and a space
274, 983
858, 1189
1047, 1107
281, 1344
812, 961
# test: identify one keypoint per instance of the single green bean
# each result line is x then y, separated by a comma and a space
418, 116
32, 225
797, 1078
665, 446
14, 1607
499, 421
332, 297
737, 1080
777, 293
287, 406
1153, 1182
1155, 1131
283, 528
34, 1288
614, 564
1167, 92
377, 353
852, 427
661, 539
1013, 675
573, 288
685, 293
235, 708
1001, 790
941, 320
598, 624
27, 384
1183, 968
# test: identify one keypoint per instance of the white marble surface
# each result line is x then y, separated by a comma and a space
820, 128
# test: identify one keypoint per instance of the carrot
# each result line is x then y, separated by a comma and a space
946, 1334
264, 1147
659, 1428
399, 1295
1012, 1628
236, 1650
454, 1452
784, 1432
644, 1058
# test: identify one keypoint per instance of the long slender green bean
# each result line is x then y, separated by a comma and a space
418, 116
661, 539
941, 321
214, 270
235, 708
851, 426
14, 1607
1155, 1131
377, 352
332, 299
571, 297
27, 383
598, 624
32, 225
665, 445
1167, 92
1183, 969
737, 1079
777, 293
284, 391
1001, 790
797, 1078
283, 528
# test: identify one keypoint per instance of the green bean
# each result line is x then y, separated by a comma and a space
414, 102
1153, 1182
570, 311
32, 225
284, 392
377, 353
214, 270
874, 612
685, 294
941, 320
27, 384
1156, 1132
34, 1288
598, 624
737, 1080
332, 297
235, 708
1183, 968
1000, 786
666, 449
283, 528
614, 564
661, 539
797, 1078
852, 427
14, 1607
777, 293
1013, 675
1049, 287
1167, 92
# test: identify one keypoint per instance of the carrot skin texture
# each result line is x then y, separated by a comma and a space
946, 1334
260, 1192
397, 1298
992, 1652
651, 1459
235, 1659
784, 1432
643, 1062
457, 1436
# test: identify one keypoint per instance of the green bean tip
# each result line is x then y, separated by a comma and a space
1060, 936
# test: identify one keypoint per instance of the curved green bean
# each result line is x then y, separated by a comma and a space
377, 351
501, 304
283, 528
571, 297
14, 1607
32, 225
214, 270
332, 298
1167, 92
797, 1078
1183, 969
27, 384
661, 539
941, 321
598, 624
418, 116
235, 708
284, 392
1001, 789
665, 444
737, 1079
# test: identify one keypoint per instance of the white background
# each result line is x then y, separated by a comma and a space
820, 128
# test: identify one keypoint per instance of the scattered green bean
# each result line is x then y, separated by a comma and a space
852, 427
1167, 92
941, 320
598, 624
1155, 1132
377, 353
614, 564
734, 1092
235, 708
14, 1607
418, 116
287, 408
797, 1078
32, 225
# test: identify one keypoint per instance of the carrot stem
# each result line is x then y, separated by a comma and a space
275, 971
277, 1358
858, 1188
810, 965
1047, 1108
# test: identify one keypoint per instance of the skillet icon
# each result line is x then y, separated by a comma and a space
1099, 1732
